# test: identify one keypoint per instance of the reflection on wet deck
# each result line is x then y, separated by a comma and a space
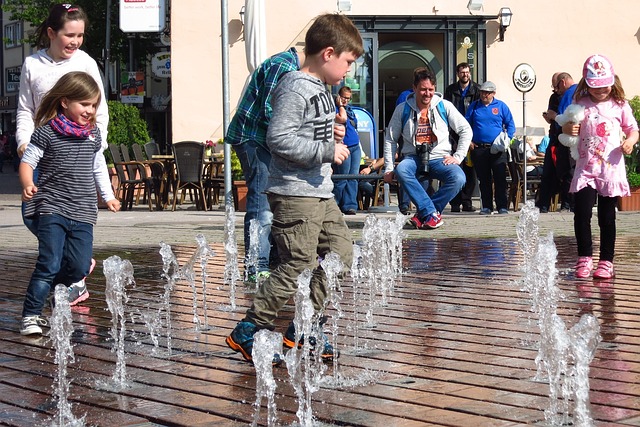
455, 346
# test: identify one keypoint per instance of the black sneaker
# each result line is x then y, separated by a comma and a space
289, 341
455, 208
241, 341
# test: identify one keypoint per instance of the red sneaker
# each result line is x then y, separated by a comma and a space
415, 221
434, 221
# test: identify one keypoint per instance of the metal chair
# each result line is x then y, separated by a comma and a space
189, 159
517, 168
155, 170
151, 148
213, 181
127, 182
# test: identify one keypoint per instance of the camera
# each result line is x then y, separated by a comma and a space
423, 151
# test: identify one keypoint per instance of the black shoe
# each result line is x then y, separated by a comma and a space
350, 212
468, 208
455, 208
543, 209
404, 210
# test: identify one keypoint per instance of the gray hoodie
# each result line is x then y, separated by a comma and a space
300, 137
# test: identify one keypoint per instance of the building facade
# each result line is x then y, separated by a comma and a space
13, 53
400, 36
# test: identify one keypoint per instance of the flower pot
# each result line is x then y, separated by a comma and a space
630, 203
240, 195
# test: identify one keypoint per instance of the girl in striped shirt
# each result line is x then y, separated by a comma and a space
66, 148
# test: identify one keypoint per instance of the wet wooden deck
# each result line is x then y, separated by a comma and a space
455, 346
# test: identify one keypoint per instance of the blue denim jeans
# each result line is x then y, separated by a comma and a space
255, 160
63, 244
451, 179
346, 191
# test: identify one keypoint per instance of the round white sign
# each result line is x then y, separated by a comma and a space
524, 78
161, 65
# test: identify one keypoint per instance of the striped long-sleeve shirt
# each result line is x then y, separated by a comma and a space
69, 168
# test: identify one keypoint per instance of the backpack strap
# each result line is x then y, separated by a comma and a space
406, 113
443, 112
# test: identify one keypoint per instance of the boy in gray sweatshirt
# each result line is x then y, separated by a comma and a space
307, 222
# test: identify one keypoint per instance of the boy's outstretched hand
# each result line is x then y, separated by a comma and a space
341, 154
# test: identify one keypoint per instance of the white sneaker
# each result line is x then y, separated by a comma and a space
31, 325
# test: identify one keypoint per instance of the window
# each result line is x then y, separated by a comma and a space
13, 35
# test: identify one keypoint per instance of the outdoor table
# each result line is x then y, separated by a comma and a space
168, 177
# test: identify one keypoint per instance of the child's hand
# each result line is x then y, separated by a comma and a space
113, 205
629, 142
571, 128
28, 192
341, 154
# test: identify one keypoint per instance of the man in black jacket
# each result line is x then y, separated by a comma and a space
462, 93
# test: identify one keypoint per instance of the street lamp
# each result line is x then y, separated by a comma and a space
505, 20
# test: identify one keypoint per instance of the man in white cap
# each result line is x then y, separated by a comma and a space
489, 117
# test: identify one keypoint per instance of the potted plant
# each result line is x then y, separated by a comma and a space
210, 147
632, 165
239, 184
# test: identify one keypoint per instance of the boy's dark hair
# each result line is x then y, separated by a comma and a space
74, 86
59, 15
423, 73
336, 31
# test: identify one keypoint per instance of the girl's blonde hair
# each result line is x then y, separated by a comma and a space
617, 92
73, 86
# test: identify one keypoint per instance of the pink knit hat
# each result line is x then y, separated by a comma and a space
598, 72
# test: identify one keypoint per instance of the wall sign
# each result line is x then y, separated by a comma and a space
161, 65
142, 16
13, 79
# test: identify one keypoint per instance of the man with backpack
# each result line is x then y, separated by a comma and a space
422, 123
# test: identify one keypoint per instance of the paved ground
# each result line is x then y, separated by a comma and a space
454, 345
141, 227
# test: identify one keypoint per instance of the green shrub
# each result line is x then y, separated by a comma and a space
236, 168
125, 126
632, 161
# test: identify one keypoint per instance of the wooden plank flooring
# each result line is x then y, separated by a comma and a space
454, 346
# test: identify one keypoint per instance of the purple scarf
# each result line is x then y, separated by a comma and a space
64, 126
